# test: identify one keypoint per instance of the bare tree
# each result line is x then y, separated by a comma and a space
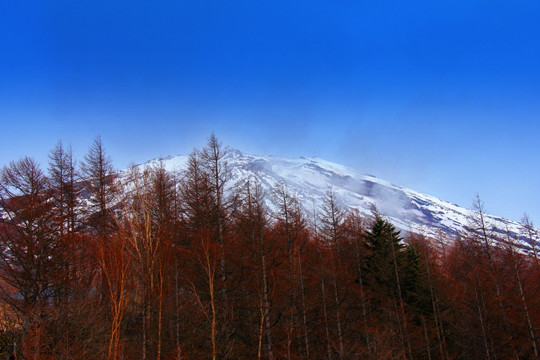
115, 262
289, 227
29, 246
147, 217
64, 176
99, 180
332, 218
354, 225
252, 213
212, 159
530, 232
518, 277
480, 232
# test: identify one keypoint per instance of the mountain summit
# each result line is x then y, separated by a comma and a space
310, 179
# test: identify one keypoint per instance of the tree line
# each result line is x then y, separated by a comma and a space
191, 266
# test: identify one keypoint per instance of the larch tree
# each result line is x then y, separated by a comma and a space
354, 231
115, 263
332, 217
203, 248
101, 193
100, 184
252, 223
520, 284
290, 229
147, 216
71, 288
212, 158
530, 233
481, 231
63, 178
30, 248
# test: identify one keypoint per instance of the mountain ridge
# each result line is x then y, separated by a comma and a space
310, 178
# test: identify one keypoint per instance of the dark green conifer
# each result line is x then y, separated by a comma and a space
414, 284
384, 243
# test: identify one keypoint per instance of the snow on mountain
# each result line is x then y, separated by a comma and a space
311, 178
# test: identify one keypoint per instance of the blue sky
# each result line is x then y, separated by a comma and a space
441, 97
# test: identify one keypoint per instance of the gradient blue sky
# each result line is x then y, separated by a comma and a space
441, 97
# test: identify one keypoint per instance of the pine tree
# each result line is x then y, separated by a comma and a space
384, 267
384, 246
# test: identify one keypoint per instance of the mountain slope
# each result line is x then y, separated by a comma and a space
311, 178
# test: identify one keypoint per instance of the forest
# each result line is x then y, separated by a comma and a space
158, 265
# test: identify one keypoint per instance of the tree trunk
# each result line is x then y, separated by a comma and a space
304, 317
402, 305
362, 297
338, 313
524, 302
325, 313
266, 302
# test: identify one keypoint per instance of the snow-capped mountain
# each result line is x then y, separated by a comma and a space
310, 179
